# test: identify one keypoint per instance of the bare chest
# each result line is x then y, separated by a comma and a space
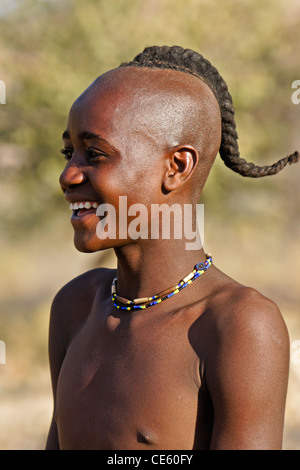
124, 388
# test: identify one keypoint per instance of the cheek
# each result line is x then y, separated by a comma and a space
141, 186
144, 181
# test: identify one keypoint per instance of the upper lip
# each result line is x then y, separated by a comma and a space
71, 198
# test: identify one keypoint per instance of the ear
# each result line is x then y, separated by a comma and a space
181, 162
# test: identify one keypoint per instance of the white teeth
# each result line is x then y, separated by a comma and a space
83, 205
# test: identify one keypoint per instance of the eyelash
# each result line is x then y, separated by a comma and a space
92, 154
67, 154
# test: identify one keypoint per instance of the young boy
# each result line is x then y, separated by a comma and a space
138, 359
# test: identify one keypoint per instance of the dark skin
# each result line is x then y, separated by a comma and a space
205, 369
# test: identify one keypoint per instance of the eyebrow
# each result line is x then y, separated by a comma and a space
86, 135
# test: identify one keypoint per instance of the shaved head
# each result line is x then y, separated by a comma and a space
167, 108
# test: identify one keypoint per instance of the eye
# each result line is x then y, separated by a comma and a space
67, 153
95, 154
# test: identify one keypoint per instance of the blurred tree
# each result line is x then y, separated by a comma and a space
52, 50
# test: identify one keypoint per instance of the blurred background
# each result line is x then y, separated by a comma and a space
50, 52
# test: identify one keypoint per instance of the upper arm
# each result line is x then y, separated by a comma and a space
57, 350
247, 376
69, 311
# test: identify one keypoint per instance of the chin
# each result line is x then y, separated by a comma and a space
84, 249
94, 244
87, 245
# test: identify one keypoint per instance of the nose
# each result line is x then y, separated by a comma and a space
72, 175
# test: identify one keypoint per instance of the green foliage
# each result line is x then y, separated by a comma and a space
52, 50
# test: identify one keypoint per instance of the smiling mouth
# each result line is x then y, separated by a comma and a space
82, 208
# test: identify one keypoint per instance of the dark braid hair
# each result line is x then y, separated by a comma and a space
189, 61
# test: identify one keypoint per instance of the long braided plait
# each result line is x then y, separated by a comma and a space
189, 61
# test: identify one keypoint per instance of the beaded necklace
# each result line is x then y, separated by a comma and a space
137, 304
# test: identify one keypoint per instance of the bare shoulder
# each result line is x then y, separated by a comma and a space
241, 311
70, 308
91, 280
82, 288
74, 300
246, 370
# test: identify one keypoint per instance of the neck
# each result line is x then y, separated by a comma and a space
152, 266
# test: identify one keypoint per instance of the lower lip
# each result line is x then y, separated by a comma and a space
82, 214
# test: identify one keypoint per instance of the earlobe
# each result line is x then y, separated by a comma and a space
181, 164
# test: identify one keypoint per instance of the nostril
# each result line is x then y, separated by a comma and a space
73, 186
71, 177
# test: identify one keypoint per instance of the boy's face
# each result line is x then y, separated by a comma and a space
109, 154
119, 137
